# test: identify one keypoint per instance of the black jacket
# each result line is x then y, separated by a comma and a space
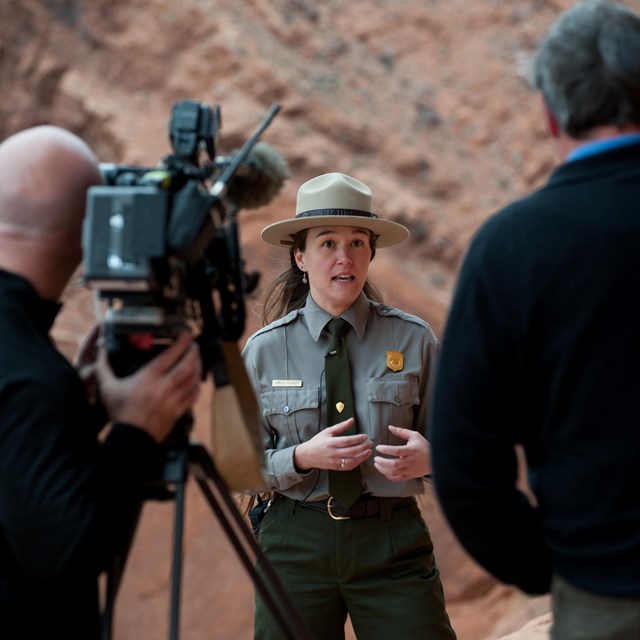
68, 503
542, 348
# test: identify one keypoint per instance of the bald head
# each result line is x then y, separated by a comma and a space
44, 176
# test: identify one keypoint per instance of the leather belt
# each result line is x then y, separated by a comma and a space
365, 506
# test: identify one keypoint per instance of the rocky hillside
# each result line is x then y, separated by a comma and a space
425, 100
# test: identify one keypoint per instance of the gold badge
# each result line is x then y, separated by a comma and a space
395, 360
340, 406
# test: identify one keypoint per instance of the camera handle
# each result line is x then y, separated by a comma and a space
194, 459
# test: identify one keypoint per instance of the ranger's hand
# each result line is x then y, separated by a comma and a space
331, 450
407, 461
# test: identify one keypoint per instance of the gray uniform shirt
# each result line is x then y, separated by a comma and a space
393, 358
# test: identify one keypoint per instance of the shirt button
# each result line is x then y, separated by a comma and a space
286, 408
396, 398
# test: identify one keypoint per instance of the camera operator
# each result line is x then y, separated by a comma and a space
68, 500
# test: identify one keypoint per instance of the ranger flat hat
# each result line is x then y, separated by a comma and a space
334, 199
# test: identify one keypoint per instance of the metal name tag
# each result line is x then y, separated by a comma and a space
286, 383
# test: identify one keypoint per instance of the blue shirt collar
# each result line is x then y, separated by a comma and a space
600, 146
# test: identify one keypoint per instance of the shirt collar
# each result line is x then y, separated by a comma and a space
317, 318
41, 312
600, 146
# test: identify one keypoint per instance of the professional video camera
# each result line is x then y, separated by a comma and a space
161, 247
158, 240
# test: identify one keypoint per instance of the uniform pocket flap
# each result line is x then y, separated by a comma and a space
287, 401
397, 391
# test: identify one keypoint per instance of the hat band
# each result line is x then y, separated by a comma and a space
336, 212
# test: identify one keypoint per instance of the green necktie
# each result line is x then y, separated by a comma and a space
344, 486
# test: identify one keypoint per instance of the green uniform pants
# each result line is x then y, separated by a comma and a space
380, 572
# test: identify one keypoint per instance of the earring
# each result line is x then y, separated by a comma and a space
304, 277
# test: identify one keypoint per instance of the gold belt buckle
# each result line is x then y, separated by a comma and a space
329, 503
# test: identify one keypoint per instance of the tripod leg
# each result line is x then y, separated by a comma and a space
175, 473
176, 571
277, 599
113, 580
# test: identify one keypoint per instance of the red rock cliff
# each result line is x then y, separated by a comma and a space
424, 100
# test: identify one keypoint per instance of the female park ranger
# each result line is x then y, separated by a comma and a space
344, 412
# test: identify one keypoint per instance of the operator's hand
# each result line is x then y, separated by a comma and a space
331, 450
155, 396
85, 361
407, 461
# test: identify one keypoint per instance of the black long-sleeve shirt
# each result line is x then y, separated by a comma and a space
68, 502
542, 348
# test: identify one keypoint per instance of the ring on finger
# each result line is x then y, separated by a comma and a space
342, 463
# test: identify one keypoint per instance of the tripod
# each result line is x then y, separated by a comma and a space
194, 459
